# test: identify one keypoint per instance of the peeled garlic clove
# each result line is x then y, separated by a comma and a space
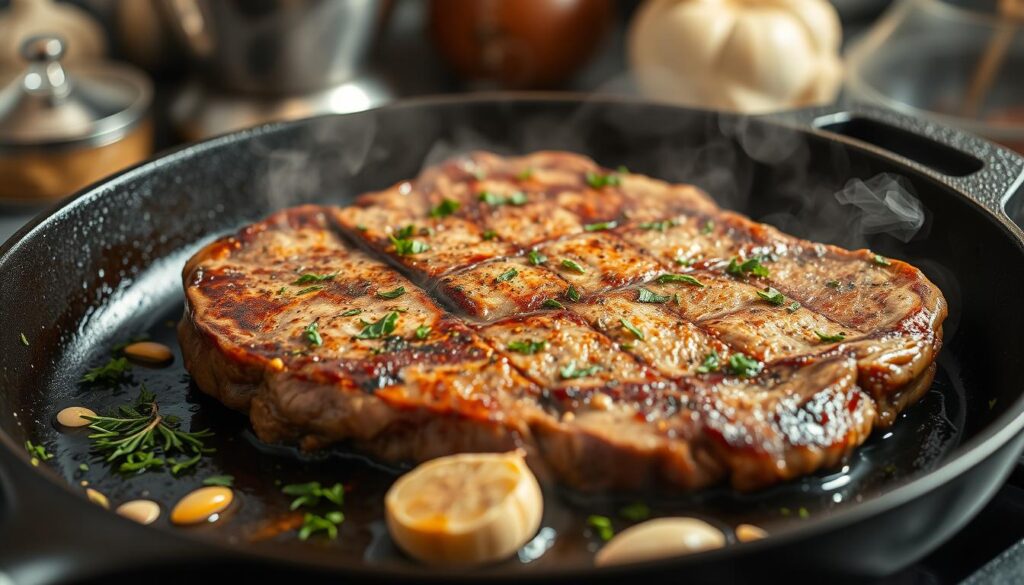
660, 538
202, 505
97, 498
141, 511
149, 353
465, 509
72, 416
749, 532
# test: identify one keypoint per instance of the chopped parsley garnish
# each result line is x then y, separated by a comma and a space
221, 480
632, 328
645, 295
832, 283
328, 524
38, 452
310, 494
525, 174
310, 277
659, 226
685, 278
600, 226
380, 328
637, 511
490, 235
684, 261
312, 334
111, 373
598, 180
407, 247
517, 198
711, 363
571, 372
138, 433
445, 208
351, 312
881, 260
773, 296
391, 294
602, 527
572, 294
793, 307
751, 266
507, 275
423, 331
406, 232
826, 338
743, 366
709, 226
527, 346
24, 340
309, 289
552, 304
536, 258
573, 266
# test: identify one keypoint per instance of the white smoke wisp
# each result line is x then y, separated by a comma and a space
886, 206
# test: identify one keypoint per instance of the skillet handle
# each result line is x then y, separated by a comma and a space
50, 535
985, 172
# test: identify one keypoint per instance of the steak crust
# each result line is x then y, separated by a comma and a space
529, 313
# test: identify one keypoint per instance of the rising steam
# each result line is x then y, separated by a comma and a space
886, 206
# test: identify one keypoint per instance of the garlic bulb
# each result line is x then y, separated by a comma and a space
751, 56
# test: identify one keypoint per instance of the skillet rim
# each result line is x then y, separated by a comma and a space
995, 435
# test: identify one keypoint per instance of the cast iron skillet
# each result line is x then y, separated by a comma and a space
105, 265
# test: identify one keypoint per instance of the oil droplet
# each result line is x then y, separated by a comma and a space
202, 505
149, 353
141, 511
72, 416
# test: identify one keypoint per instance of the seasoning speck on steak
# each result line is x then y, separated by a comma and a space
499, 303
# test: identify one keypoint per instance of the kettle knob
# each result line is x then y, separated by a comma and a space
43, 48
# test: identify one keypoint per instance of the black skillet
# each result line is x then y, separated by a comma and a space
105, 266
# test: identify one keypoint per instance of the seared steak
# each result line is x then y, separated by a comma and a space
496, 303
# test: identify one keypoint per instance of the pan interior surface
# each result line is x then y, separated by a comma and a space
106, 269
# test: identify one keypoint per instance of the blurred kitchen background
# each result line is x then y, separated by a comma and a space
90, 86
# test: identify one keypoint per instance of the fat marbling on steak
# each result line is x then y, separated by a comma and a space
498, 303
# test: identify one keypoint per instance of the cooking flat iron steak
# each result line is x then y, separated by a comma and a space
623, 331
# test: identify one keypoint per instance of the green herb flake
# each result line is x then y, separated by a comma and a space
743, 366
525, 174
793, 307
408, 247
709, 226
493, 199
310, 277
380, 328
636, 512
328, 524
712, 362
684, 278
111, 373
552, 304
83, 467
599, 180
573, 266
309, 494
527, 346
826, 338
351, 312
38, 452
659, 226
220, 480
507, 275
881, 260
684, 261
645, 295
361, 227
602, 527
391, 294
24, 340
572, 294
536, 258
773, 296
803, 513
312, 334
833, 283
423, 331
600, 226
406, 232
309, 290
489, 235
632, 328
751, 266
445, 208
571, 372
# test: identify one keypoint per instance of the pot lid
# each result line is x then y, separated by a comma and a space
46, 105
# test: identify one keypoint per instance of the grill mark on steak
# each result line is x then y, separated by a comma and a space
644, 414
